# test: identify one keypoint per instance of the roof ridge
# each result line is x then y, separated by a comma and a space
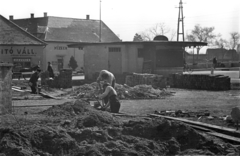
58, 17
74, 18
18, 27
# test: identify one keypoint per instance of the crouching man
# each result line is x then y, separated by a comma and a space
33, 81
110, 97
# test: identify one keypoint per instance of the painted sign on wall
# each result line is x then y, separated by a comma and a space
60, 48
16, 51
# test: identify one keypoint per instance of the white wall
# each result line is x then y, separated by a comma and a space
55, 50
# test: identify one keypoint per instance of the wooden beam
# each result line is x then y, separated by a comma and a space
226, 130
48, 96
225, 137
18, 90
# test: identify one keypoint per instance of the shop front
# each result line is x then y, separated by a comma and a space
22, 56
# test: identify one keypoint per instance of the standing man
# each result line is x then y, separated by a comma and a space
33, 81
50, 70
214, 62
106, 76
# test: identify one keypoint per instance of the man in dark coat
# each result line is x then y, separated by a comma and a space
214, 62
33, 81
50, 70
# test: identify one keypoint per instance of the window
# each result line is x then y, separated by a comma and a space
114, 49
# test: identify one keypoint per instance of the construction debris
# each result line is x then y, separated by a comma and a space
124, 91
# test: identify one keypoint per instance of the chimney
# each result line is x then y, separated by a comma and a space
32, 15
87, 17
11, 18
45, 14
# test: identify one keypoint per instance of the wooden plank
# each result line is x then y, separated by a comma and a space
199, 128
18, 90
37, 105
16, 87
40, 93
27, 73
224, 136
48, 96
214, 127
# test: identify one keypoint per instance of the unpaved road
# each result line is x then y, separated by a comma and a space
217, 102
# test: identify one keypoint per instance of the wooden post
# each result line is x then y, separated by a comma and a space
212, 71
5, 88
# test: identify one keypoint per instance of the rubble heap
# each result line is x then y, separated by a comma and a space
124, 91
91, 132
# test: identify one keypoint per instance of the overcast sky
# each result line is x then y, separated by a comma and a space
128, 17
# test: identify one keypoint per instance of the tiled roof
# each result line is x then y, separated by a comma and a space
219, 52
68, 29
11, 34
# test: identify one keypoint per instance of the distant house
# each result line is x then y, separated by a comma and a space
222, 55
58, 32
158, 57
19, 47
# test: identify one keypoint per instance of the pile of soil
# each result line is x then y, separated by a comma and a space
124, 91
76, 128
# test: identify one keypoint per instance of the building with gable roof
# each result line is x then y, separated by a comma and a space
159, 56
19, 47
58, 32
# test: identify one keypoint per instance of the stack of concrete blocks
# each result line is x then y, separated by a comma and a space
5, 88
44, 78
200, 82
63, 80
157, 81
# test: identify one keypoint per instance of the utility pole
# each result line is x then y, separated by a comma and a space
100, 24
180, 19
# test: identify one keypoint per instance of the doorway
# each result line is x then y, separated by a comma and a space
115, 62
60, 63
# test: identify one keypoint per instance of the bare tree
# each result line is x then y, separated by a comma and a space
158, 29
201, 34
221, 43
146, 36
172, 35
235, 37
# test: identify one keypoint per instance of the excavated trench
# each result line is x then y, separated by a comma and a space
77, 129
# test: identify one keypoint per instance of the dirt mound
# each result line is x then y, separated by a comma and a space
86, 131
135, 137
69, 108
85, 115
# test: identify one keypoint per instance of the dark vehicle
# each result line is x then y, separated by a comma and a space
23, 72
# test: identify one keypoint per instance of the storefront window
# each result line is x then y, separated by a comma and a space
20, 63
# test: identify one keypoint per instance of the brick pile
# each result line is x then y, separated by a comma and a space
157, 81
201, 82
63, 80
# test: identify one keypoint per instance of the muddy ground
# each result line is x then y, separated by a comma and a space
77, 129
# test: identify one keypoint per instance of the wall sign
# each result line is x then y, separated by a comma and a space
17, 51
60, 48
21, 60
